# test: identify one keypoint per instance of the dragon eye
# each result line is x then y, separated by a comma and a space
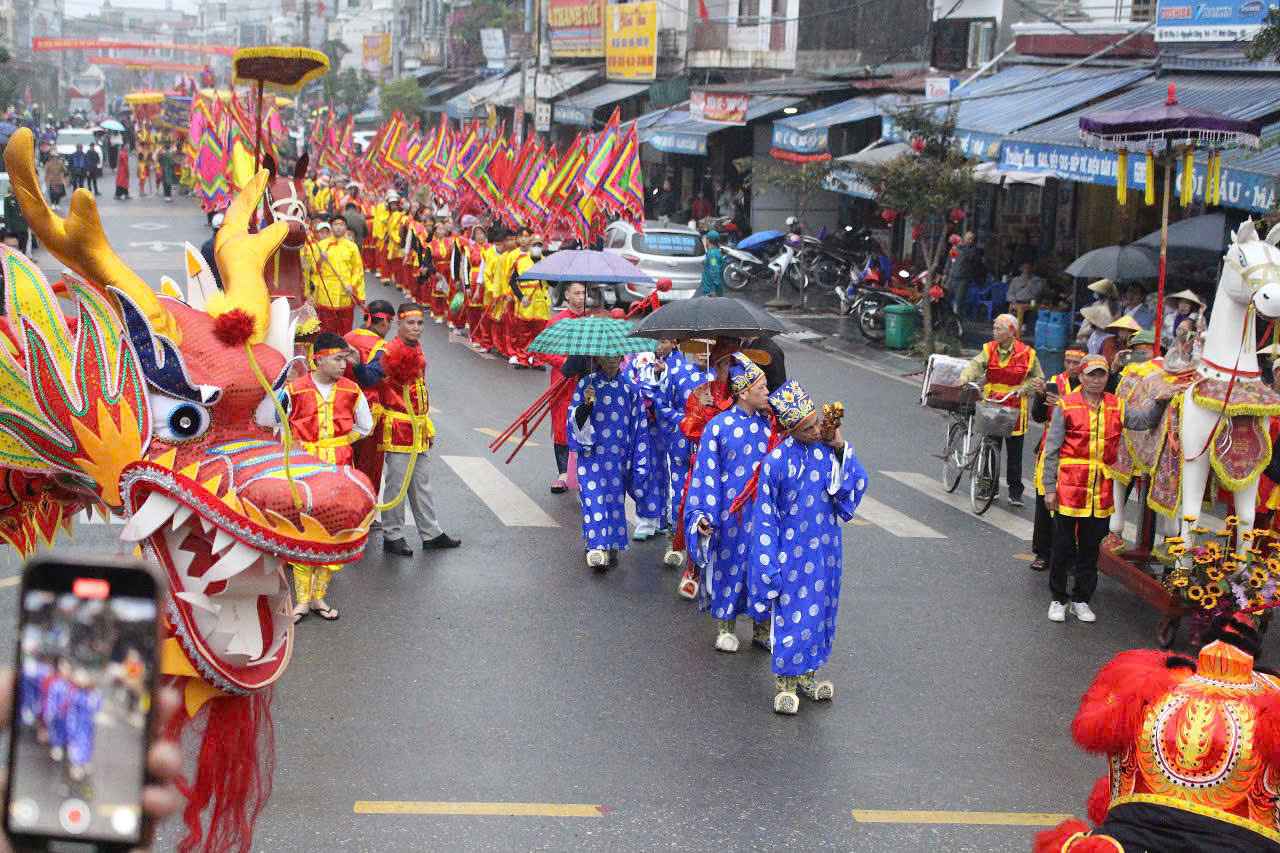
177, 420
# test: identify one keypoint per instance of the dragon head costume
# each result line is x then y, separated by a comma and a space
142, 404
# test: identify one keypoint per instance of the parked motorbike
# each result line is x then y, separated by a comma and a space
834, 258
870, 302
769, 261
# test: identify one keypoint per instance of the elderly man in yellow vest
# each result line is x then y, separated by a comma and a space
1007, 366
337, 280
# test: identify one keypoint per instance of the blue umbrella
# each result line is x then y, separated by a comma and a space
7, 129
588, 267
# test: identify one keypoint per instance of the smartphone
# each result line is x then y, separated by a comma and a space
1051, 388
85, 678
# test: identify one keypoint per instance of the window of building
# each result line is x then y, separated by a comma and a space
963, 43
748, 12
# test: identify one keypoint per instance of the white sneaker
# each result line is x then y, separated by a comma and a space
597, 558
726, 643
673, 559
646, 528
1057, 610
1083, 612
513, 360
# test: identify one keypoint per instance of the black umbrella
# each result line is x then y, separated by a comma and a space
709, 317
1207, 233
1118, 263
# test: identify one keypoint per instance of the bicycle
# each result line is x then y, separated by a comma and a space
973, 445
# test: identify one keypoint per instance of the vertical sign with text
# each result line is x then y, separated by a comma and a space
631, 40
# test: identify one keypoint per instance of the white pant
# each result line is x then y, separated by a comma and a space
418, 497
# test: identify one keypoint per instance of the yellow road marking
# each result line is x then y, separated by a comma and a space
511, 439
440, 807
860, 522
10, 581
971, 818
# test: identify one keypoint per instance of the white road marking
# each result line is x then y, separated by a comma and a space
514, 438
899, 524
995, 517
511, 505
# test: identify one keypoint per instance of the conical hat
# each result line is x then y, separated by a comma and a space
1098, 315
1124, 322
1104, 287
1188, 295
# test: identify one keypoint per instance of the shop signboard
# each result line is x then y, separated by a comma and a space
576, 27
493, 43
807, 142
1240, 189
723, 107
376, 52
631, 40
542, 117
675, 142
1212, 21
938, 88
566, 113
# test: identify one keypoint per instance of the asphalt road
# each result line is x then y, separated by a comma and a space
506, 672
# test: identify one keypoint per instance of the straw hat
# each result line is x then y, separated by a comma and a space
1188, 295
1099, 316
1124, 322
1105, 287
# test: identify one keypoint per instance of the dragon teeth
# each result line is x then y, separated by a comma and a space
222, 540
180, 516
158, 509
232, 563
200, 600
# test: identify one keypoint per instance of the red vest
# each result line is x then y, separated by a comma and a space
368, 344
406, 407
1091, 444
442, 256
1063, 381
1005, 377
326, 428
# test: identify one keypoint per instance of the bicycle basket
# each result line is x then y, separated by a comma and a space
995, 420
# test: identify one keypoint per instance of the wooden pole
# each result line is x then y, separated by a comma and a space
257, 138
1164, 250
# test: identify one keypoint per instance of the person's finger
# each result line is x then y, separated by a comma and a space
160, 801
164, 761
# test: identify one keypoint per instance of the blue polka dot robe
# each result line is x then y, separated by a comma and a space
682, 378
806, 493
652, 495
732, 444
613, 453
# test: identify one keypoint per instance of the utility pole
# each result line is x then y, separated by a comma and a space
306, 23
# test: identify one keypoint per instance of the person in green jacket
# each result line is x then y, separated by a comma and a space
712, 266
168, 171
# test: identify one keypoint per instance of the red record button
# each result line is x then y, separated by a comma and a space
74, 816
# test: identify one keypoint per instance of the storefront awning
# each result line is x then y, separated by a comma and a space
499, 91
804, 136
842, 178
1249, 177
1021, 96
676, 132
580, 109
553, 82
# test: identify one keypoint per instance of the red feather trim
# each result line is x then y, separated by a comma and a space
234, 769
1112, 709
1099, 802
1052, 840
748, 494
233, 328
1266, 737
403, 364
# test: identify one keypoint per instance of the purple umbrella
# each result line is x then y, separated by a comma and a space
1167, 131
588, 267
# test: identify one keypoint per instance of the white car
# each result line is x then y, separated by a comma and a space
70, 137
661, 251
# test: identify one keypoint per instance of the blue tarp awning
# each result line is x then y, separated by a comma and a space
580, 109
1023, 95
805, 135
676, 132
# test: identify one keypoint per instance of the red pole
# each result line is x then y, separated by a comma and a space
1164, 252
257, 138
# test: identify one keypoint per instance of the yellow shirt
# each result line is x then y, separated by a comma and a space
536, 304
492, 260
394, 234
338, 273
379, 217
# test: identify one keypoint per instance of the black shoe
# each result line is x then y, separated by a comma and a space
613, 558
441, 541
1039, 564
398, 547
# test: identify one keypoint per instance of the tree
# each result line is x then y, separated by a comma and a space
801, 180
466, 23
351, 90
335, 50
1266, 44
925, 184
403, 96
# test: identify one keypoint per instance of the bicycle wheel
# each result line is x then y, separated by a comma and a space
985, 480
954, 455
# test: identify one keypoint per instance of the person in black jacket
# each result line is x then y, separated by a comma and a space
93, 166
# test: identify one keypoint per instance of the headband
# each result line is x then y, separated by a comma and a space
412, 312
321, 353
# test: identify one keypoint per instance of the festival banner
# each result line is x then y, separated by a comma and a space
631, 41
576, 28
723, 107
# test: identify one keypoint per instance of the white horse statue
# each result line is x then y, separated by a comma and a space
1220, 419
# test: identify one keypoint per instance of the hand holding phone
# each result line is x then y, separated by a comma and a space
83, 711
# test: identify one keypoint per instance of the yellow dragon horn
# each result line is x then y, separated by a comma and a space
79, 240
243, 256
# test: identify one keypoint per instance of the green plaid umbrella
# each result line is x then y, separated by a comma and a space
602, 336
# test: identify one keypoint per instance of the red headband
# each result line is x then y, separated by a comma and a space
321, 353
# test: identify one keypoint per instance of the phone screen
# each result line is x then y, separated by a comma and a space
85, 670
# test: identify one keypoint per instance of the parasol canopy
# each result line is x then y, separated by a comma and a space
285, 68
746, 244
1118, 263
597, 336
112, 125
587, 266
1169, 124
709, 317
135, 99
1207, 233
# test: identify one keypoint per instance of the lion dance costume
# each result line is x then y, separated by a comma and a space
142, 404
1192, 748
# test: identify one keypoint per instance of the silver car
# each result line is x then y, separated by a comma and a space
662, 251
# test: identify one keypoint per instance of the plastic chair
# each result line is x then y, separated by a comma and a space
997, 295
974, 296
